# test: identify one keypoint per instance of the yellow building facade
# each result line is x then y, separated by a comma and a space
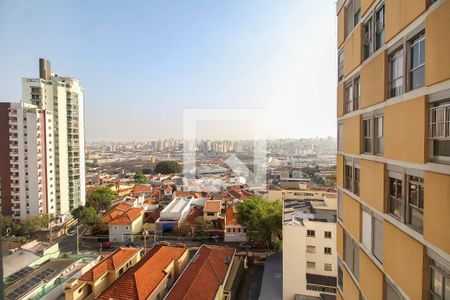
393, 161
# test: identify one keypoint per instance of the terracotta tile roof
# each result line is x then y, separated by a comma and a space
141, 189
122, 207
128, 217
204, 274
111, 216
193, 214
154, 215
231, 216
212, 206
110, 263
142, 279
235, 194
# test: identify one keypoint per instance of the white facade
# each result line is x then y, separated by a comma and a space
177, 210
62, 97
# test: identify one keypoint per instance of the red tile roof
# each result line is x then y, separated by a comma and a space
204, 274
193, 214
110, 263
231, 216
212, 206
128, 217
142, 279
141, 189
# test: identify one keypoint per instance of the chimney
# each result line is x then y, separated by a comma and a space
45, 70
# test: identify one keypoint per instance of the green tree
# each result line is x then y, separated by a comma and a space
168, 167
5, 222
89, 217
263, 219
100, 199
139, 177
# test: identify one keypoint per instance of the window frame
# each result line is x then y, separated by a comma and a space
353, 165
370, 37
352, 246
352, 94
374, 138
438, 130
412, 42
373, 249
435, 267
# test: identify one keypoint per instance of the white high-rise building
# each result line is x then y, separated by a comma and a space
42, 147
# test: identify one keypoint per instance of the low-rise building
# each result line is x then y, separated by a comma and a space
174, 213
92, 283
126, 226
213, 273
151, 277
212, 210
234, 232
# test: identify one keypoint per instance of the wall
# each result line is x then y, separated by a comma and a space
352, 216
365, 5
403, 260
340, 170
351, 292
352, 133
400, 13
352, 50
372, 183
294, 253
370, 278
437, 210
437, 31
373, 81
341, 27
340, 99
405, 131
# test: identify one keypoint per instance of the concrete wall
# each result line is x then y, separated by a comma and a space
373, 81
352, 216
400, 13
352, 133
372, 183
352, 50
370, 278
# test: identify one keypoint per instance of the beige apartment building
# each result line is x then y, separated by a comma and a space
393, 171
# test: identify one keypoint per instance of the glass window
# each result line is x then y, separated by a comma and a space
391, 292
357, 176
341, 65
349, 177
439, 125
396, 73
367, 128
395, 197
368, 39
310, 265
327, 234
367, 229
349, 98
415, 203
311, 249
379, 27
379, 141
340, 211
417, 62
311, 233
439, 281
340, 278
357, 92
327, 250
378, 237
351, 252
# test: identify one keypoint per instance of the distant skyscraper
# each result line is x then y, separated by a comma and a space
42, 147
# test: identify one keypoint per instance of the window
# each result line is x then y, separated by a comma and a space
340, 278
352, 93
351, 255
340, 212
340, 136
327, 250
406, 198
373, 32
373, 142
327, 234
439, 127
367, 135
372, 233
392, 292
439, 282
396, 73
341, 65
311, 233
311, 249
395, 197
352, 15
327, 267
417, 62
415, 203
310, 265
352, 176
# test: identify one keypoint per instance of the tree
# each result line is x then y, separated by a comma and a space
89, 217
168, 167
139, 177
262, 219
100, 198
5, 223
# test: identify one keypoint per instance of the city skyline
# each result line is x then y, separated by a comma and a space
240, 55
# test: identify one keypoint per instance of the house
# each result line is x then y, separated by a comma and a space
124, 227
168, 190
234, 232
213, 273
92, 283
212, 210
151, 277
174, 213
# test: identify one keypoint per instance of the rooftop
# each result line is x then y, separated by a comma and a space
204, 274
231, 216
128, 217
111, 263
212, 206
297, 211
140, 281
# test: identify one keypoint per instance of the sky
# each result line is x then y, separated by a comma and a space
142, 63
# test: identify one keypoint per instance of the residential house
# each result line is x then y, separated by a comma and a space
92, 283
174, 213
212, 210
125, 226
234, 232
213, 273
151, 277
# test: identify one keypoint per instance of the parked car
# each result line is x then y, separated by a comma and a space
106, 245
132, 245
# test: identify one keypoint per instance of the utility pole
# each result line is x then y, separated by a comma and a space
78, 240
145, 241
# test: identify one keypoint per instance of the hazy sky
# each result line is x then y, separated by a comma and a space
142, 62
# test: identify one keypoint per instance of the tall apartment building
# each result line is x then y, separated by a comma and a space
42, 147
393, 171
309, 247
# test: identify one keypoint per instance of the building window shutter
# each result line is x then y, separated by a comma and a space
378, 239
367, 230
